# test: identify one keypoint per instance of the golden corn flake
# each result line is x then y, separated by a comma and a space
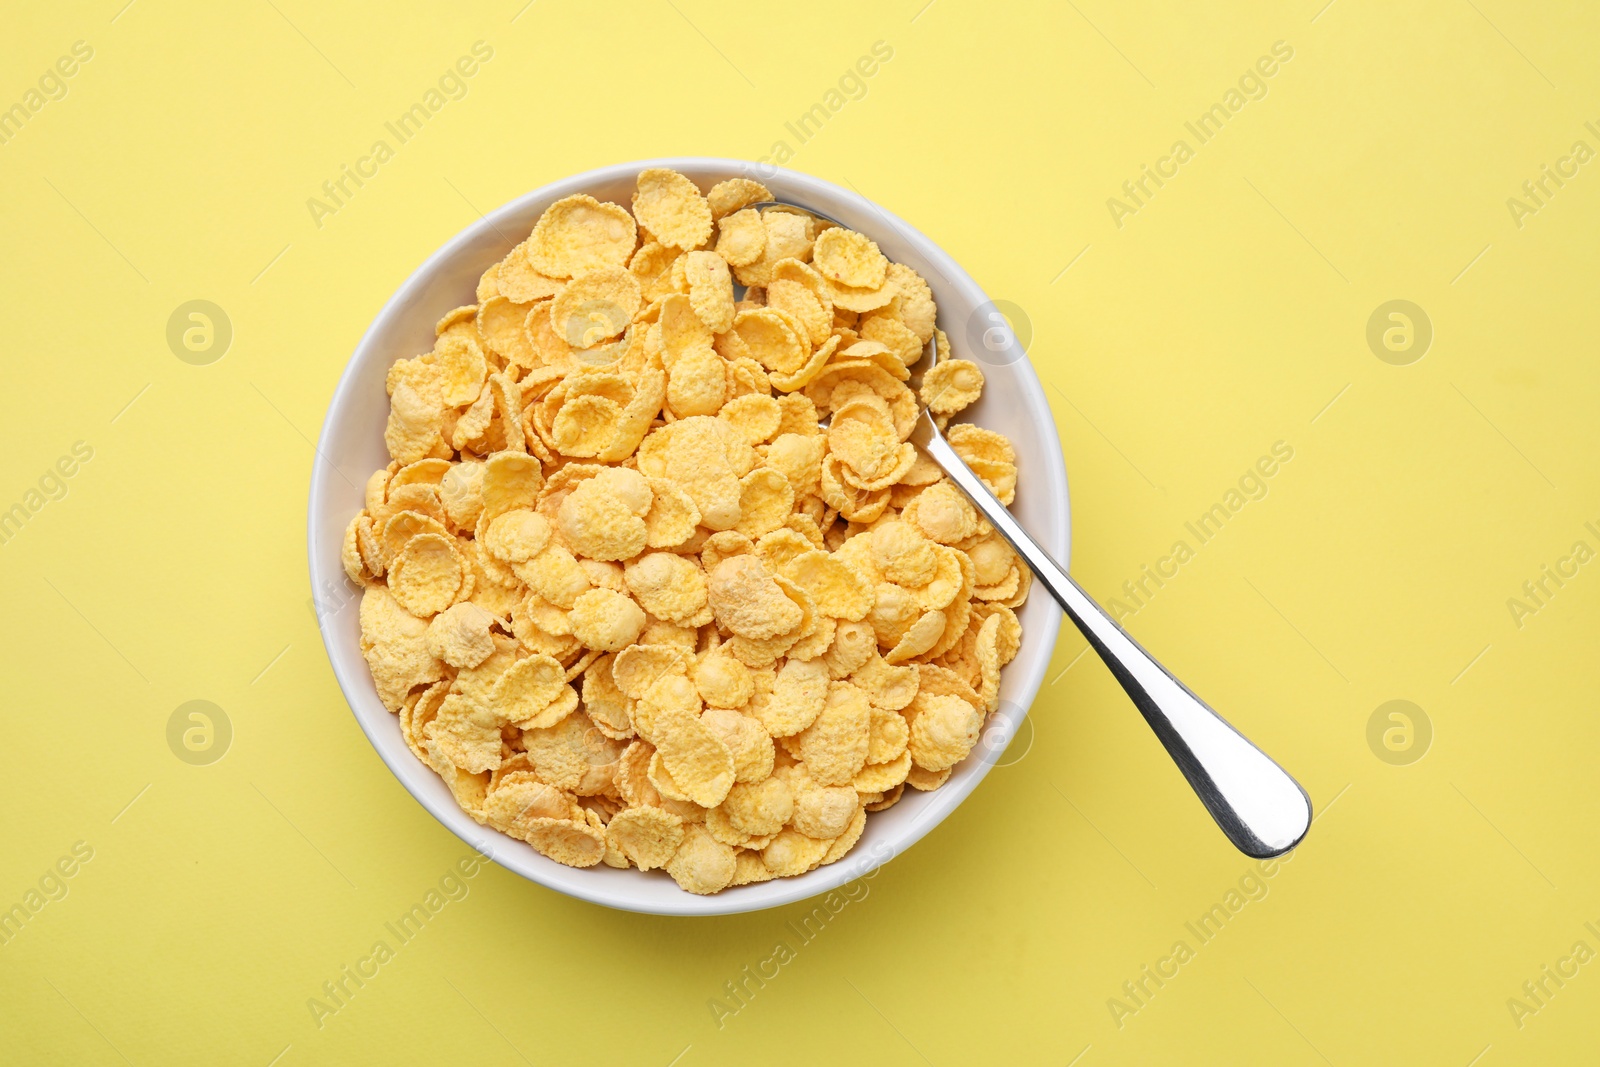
394, 643
824, 812
765, 501
747, 601
606, 704
751, 745
699, 762
895, 337
706, 457
428, 575
778, 547
697, 383
510, 480
502, 326
672, 208
792, 853
834, 747
460, 635
572, 755
788, 236
467, 733
603, 518
652, 719
888, 687
719, 546
528, 689
681, 329
629, 597
943, 514
890, 797
943, 731
848, 258
879, 778
606, 620
990, 456
847, 838
841, 591
579, 233
710, 289
888, 735
951, 386
516, 536
749, 869
518, 281
801, 304
760, 808
672, 517
489, 281
554, 575
648, 836
668, 586
914, 304
701, 864
652, 267
861, 299
772, 339
595, 306
722, 681
741, 238
398, 530
854, 643
516, 795
416, 416
462, 369
576, 844
797, 697
755, 416
733, 194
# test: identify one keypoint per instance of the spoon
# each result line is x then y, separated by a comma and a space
1257, 804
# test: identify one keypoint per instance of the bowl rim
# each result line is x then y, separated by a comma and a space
356, 685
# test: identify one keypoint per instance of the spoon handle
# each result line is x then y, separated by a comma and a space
1260, 808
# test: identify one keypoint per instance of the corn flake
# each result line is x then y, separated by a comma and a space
648, 836
951, 386
606, 620
578, 233
671, 207
735, 194
741, 238
788, 236
668, 586
698, 760
710, 289
845, 257
792, 853
745, 599
702, 864
834, 746
595, 306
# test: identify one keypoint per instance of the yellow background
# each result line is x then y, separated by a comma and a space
1227, 314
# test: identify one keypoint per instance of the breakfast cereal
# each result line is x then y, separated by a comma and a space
655, 578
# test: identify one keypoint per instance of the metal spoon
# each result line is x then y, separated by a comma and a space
1258, 805
1261, 809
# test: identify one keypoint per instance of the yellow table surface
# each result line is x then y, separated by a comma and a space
1443, 910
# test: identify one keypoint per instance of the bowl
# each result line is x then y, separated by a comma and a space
351, 447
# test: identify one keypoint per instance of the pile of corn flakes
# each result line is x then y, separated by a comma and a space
629, 597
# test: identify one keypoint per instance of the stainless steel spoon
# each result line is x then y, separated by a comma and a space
1261, 809
1258, 805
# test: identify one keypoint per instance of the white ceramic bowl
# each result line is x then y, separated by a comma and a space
352, 441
